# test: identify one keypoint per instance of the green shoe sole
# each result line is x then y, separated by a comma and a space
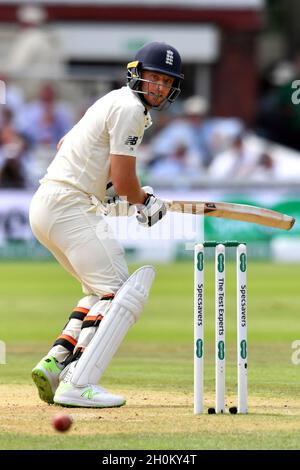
93, 407
43, 386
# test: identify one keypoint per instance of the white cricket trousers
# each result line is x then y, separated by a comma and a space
65, 221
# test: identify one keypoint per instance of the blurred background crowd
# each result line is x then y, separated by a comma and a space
237, 120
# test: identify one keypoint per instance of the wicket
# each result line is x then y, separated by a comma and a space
220, 308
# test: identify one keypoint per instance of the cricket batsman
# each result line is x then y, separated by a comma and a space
95, 167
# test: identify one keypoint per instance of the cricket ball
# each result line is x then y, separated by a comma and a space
62, 422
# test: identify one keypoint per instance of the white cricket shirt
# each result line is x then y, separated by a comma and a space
114, 124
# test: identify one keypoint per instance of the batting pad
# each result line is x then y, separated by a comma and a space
124, 311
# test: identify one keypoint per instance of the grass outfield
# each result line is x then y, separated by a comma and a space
154, 366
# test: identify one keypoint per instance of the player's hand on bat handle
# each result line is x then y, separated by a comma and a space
153, 209
115, 204
111, 195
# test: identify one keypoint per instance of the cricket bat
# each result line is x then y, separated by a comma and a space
242, 212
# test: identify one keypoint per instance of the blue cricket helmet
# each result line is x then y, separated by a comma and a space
158, 57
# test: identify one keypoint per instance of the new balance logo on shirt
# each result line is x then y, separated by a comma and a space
131, 140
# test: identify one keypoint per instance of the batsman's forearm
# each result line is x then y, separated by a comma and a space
130, 189
125, 180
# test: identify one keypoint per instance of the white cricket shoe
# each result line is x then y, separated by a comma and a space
46, 377
88, 396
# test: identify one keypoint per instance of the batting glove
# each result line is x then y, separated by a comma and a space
153, 209
111, 195
115, 206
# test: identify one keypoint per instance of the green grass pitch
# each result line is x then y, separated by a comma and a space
154, 366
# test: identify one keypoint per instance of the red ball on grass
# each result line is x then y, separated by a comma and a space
62, 422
